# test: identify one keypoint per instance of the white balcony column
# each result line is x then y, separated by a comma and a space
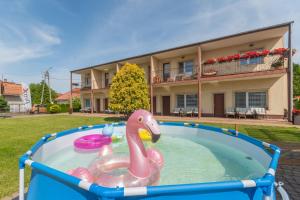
199, 57
92, 93
117, 67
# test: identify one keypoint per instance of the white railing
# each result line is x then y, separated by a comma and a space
174, 75
237, 67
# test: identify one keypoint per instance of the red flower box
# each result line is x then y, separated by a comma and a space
296, 111
264, 52
252, 54
230, 58
222, 59
236, 56
245, 56
279, 51
210, 61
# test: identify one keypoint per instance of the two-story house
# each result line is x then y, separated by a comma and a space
210, 78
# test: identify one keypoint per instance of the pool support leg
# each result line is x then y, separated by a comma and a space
21, 180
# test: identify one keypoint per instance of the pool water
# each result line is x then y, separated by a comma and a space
189, 158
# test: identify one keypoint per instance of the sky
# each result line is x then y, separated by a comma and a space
70, 34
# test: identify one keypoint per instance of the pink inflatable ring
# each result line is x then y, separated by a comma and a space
92, 142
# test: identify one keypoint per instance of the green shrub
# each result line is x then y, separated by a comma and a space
4, 107
76, 104
297, 104
64, 108
55, 108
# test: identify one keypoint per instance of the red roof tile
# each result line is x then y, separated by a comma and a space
9, 88
66, 96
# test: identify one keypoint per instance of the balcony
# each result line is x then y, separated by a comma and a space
175, 76
258, 64
85, 87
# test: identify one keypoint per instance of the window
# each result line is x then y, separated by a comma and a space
251, 99
87, 103
186, 67
187, 100
87, 80
192, 100
166, 71
180, 101
252, 61
240, 99
106, 79
256, 60
257, 99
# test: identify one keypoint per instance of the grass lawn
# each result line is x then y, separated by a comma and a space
17, 135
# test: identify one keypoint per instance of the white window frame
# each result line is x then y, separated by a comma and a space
184, 99
248, 59
184, 66
85, 100
247, 97
87, 80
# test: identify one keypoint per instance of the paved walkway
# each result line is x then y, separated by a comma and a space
288, 170
219, 120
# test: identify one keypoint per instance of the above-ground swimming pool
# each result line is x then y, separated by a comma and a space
200, 162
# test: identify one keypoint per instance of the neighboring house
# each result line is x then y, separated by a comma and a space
248, 71
12, 93
65, 97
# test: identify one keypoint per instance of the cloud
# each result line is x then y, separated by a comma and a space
46, 34
22, 40
20, 44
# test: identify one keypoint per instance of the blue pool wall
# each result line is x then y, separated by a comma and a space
48, 183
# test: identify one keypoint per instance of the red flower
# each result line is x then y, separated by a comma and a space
230, 58
236, 56
279, 51
252, 54
222, 59
210, 61
264, 52
245, 56
296, 111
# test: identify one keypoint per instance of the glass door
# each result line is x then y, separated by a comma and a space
166, 71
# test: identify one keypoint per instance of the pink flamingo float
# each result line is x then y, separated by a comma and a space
141, 168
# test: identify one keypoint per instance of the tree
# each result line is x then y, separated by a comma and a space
76, 104
36, 93
129, 90
296, 81
4, 107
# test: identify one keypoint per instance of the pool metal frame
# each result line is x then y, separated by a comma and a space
266, 183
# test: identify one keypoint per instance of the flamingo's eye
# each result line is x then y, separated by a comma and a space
140, 119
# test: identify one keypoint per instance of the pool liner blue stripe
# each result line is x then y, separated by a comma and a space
154, 190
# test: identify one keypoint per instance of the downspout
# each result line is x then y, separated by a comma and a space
290, 75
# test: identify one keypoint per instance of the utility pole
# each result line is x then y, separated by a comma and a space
46, 79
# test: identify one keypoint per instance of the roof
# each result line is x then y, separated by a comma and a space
10, 88
66, 96
193, 44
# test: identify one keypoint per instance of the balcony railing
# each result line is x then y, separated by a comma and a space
85, 86
237, 67
174, 75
